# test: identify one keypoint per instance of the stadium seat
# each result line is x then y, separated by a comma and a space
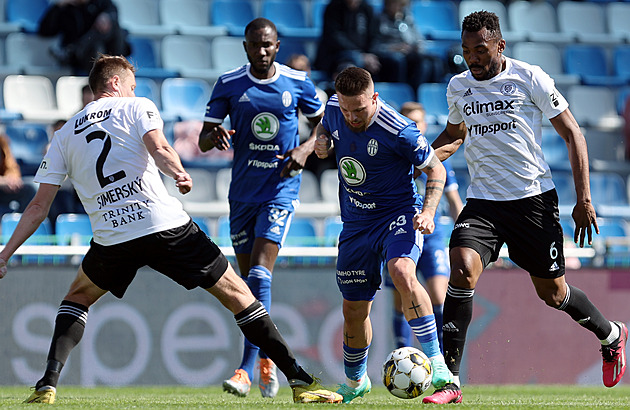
43, 235
144, 57
555, 149
548, 57
329, 185
608, 188
309, 189
618, 15
290, 46
223, 231
537, 20
565, 188
232, 14
184, 98
26, 13
623, 96
433, 98
585, 21
602, 115
289, 17
395, 94
28, 143
30, 54
191, 56
31, 96
222, 183
189, 17
142, 18
204, 190
621, 63
590, 63
616, 254
317, 13
202, 223
497, 7
437, 20
69, 94
73, 229
147, 87
228, 53
332, 229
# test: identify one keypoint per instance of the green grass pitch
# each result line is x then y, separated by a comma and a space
173, 397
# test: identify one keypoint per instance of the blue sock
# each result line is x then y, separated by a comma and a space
402, 331
355, 362
438, 312
259, 281
426, 333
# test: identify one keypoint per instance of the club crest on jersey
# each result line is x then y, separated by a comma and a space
265, 126
352, 171
287, 98
372, 147
508, 88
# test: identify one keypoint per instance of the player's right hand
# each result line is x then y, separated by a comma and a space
3, 268
183, 182
322, 145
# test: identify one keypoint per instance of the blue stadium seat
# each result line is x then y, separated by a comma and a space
437, 20
147, 87
191, 56
142, 18
223, 231
433, 98
301, 233
317, 13
73, 229
621, 63
42, 236
26, 13
332, 229
288, 47
184, 98
189, 17
28, 144
589, 62
617, 16
565, 188
548, 57
585, 21
537, 20
202, 223
233, 14
555, 150
616, 254
144, 57
608, 188
289, 17
601, 115
395, 94
623, 98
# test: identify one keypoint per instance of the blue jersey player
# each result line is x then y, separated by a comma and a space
377, 150
262, 99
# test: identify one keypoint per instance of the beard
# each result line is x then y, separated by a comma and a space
363, 127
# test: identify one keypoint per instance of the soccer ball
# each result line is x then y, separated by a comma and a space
407, 372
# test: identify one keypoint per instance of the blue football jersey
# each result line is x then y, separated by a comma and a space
264, 114
376, 166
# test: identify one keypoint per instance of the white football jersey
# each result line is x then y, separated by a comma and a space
504, 120
101, 150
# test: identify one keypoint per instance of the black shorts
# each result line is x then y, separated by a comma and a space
530, 227
184, 254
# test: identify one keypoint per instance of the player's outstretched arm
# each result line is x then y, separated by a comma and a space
583, 213
214, 135
167, 160
436, 178
34, 214
449, 140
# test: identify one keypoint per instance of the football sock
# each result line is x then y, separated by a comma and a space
69, 328
438, 312
426, 333
355, 363
577, 305
458, 309
402, 331
259, 282
258, 328
613, 336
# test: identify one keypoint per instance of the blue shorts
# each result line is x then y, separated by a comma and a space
433, 259
269, 220
364, 247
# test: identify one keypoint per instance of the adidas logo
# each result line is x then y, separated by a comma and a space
584, 321
450, 327
554, 267
468, 92
275, 229
244, 98
335, 134
400, 231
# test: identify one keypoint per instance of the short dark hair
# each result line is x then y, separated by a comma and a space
352, 81
480, 19
258, 23
105, 67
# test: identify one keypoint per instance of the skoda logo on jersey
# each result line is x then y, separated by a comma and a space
352, 171
508, 88
265, 126
372, 147
286, 98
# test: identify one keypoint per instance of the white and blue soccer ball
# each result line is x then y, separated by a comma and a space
407, 372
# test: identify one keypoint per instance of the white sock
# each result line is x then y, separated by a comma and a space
354, 383
456, 381
614, 334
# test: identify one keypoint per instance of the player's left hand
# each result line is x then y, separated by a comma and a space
3, 268
423, 223
584, 216
295, 163
184, 182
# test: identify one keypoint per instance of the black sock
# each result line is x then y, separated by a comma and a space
580, 308
458, 309
260, 330
69, 327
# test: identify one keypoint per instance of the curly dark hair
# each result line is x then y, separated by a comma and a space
480, 19
352, 81
258, 23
